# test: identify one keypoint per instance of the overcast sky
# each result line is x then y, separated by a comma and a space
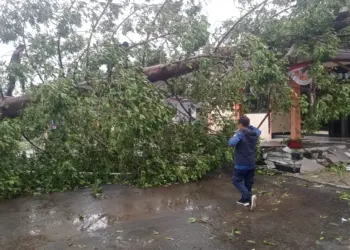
220, 10
216, 10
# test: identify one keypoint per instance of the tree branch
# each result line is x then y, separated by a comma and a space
122, 22
29, 59
149, 33
258, 15
173, 92
59, 53
79, 57
15, 72
94, 26
30, 142
60, 56
284, 10
149, 40
236, 24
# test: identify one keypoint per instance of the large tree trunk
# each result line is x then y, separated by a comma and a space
11, 107
179, 68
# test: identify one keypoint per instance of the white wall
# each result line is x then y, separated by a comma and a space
214, 116
181, 113
280, 123
255, 120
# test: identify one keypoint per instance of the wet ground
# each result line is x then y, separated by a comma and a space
340, 179
291, 215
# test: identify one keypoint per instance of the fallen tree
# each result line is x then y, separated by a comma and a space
10, 107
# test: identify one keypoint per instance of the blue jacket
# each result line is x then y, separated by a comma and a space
245, 142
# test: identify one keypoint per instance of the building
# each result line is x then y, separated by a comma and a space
272, 124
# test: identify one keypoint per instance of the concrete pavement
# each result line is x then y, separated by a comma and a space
291, 214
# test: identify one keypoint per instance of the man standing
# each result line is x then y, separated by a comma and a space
245, 141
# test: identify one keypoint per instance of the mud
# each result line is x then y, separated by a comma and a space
291, 214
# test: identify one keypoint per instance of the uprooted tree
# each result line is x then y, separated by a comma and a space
92, 107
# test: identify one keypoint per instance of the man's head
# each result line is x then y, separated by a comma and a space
243, 122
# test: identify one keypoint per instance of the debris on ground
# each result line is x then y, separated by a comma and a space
305, 160
311, 165
281, 159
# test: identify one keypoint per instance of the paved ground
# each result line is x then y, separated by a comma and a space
342, 179
291, 215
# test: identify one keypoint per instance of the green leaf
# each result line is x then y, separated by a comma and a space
344, 196
192, 220
269, 243
236, 231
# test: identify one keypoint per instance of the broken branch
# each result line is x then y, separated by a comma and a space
222, 40
90, 38
149, 33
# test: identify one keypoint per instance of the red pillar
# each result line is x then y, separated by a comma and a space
238, 108
295, 117
298, 76
238, 111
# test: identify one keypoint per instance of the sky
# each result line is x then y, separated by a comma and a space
216, 10
220, 10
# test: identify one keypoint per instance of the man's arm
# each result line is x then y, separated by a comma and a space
234, 140
256, 130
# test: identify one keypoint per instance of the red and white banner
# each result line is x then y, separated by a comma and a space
300, 75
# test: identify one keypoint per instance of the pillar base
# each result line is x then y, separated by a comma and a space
294, 144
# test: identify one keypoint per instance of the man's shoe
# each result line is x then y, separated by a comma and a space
253, 203
243, 202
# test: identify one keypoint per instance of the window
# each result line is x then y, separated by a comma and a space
257, 104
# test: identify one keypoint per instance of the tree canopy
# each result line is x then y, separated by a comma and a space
85, 71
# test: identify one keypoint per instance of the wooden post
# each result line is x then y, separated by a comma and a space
238, 111
295, 114
238, 108
298, 76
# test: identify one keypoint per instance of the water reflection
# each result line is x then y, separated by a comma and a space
78, 211
34, 232
129, 206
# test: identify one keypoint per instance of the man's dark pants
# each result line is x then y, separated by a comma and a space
243, 180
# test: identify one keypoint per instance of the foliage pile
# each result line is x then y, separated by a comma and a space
129, 138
